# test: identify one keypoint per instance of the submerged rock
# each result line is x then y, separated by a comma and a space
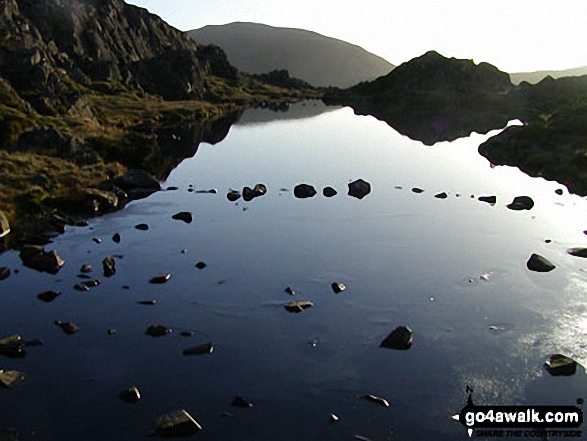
48, 296
492, 200
10, 378
298, 306
160, 279
400, 338
359, 189
539, 264
233, 196
206, 348
329, 192
109, 267
68, 327
130, 395
303, 191
158, 330
176, 424
35, 257
4, 273
558, 364
4, 225
521, 203
183, 216
338, 287
381, 401
13, 346
239, 401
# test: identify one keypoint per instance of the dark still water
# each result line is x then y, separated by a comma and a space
453, 270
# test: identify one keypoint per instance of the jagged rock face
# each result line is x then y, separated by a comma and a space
53, 43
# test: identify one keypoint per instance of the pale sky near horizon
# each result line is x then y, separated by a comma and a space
514, 35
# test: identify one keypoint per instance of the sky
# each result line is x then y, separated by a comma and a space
514, 35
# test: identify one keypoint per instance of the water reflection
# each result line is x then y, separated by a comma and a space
451, 269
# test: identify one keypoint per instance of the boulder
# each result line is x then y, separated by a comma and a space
303, 191
338, 287
4, 225
578, 252
558, 364
298, 306
35, 257
359, 189
136, 179
539, 264
233, 195
260, 190
248, 194
10, 378
100, 201
521, 203
176, 424
400, 338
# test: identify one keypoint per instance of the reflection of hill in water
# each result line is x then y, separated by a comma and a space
296, 111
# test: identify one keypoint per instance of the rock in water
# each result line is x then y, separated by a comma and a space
116, 238
338, 287
558, 364
381, 401
177, 424
10, 378
142, 227
539, 264
359, 189
442, 195
37, 258
206, 348
298, 306
4, 273
109, 267
233, 196
160, 279
578, 252
4, 225
260, 190
183, 216
400, 338
130, 395
303, 191
248, 194
135, 179
13, 346
48, 296
201, 265
67, 327
239, 401
521, 203
492, 200
158, 330
329, 192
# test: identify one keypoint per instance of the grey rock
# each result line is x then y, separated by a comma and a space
178, 423
400, 338
521, 203
4, 225
35, 257
359, 189
100, 201
560, 365
303, 191
539, 264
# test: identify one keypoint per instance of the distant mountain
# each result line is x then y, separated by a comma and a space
317, 59
536, 77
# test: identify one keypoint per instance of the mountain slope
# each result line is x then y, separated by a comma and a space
536, 77
319, 60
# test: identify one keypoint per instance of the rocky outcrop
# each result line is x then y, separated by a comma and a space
60, 44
